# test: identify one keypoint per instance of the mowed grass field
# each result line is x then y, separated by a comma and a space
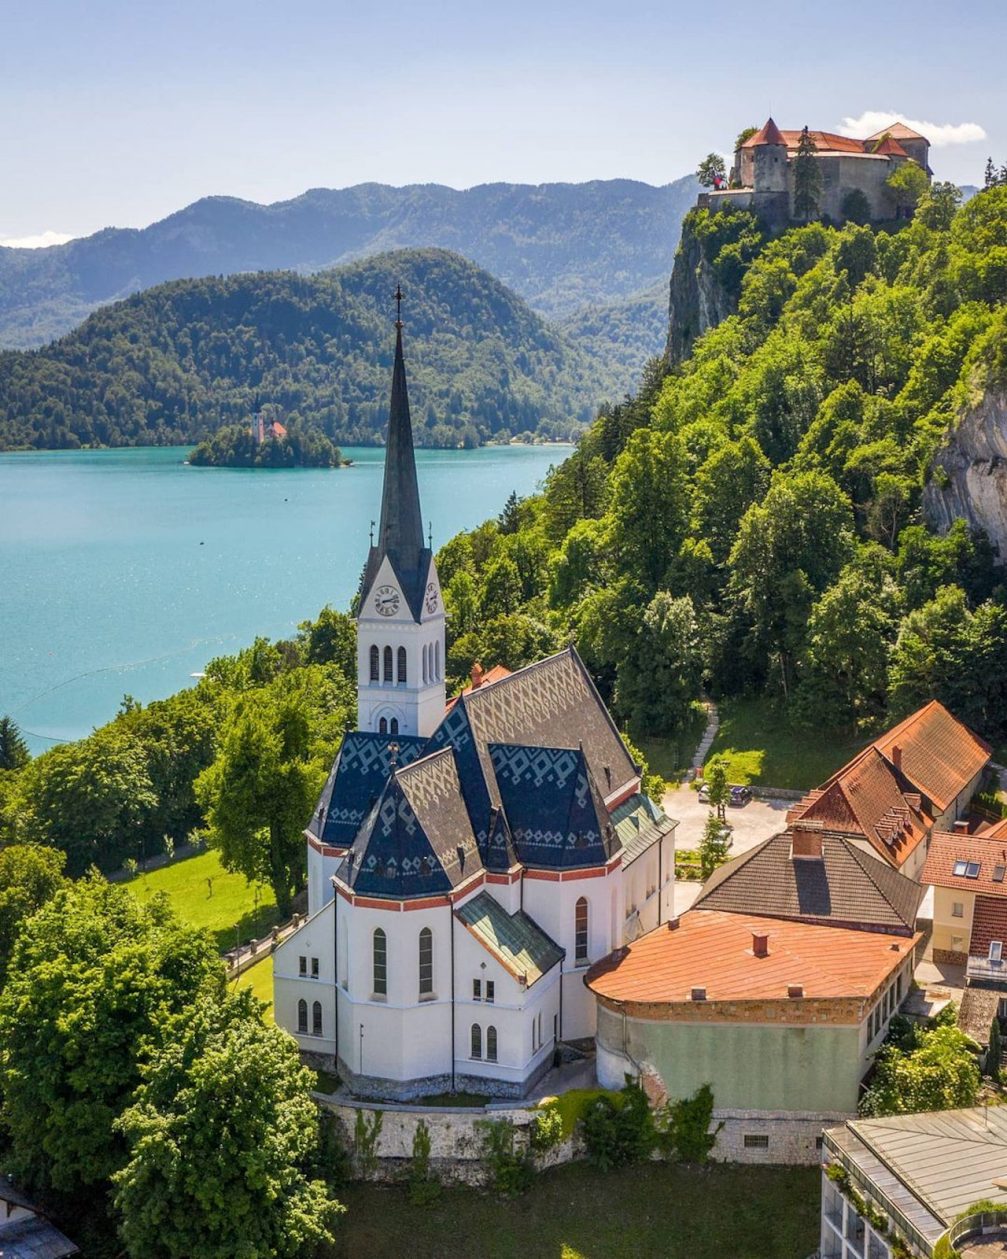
762, 748
206, 895
656, 1211
259, 978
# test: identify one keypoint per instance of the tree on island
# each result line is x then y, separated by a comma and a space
299, 446
711, 171
14, 752
744, 134
807, 178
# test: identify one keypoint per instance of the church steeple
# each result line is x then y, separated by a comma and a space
400, 533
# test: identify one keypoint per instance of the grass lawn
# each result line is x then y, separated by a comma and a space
225, 907
260, 979
656, 1211
760, 746
672, 757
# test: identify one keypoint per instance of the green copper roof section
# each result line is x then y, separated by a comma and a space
639, 823
520, 946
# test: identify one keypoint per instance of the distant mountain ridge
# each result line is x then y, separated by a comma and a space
559, 246
180, 360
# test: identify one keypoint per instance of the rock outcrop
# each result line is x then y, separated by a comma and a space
969, 474
698, 300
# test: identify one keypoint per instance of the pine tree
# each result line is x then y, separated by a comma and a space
713, 846
509, 519
807, 178
14, 752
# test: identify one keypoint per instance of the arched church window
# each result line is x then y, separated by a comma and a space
426, 664
375, 659
426, 962
388, 664
491, 1044
401, 674
380, 963
580, 930
383, 726
393, 725
302, 1016
437, 662
477, 1041
316, 1019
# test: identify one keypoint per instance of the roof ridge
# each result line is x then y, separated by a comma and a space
516, 673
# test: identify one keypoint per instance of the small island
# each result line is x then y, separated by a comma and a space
267, 444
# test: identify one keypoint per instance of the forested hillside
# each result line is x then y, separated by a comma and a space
177, 362
560, 246
751, 522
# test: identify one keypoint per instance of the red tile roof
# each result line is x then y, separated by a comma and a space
898, 131
769, 133
496, 674
888, 147
947, 848
989, 922
940, 754
868, 798
996, 830
713, 950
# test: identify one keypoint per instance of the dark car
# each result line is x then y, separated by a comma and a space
740, 796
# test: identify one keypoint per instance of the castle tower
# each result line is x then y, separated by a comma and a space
769, 154
400, 621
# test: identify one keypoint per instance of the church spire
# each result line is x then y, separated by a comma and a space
400, 533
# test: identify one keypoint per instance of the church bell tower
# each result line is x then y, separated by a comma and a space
400, 621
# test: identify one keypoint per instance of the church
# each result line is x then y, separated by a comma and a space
467, 861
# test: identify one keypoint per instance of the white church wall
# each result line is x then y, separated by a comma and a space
649, 888
304, 970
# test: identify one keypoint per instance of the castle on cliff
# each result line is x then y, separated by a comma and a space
762, 176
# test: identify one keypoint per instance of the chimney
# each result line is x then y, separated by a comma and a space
795, 991
698, 994
760, 944
672, 924
805, 844
897, 757
477, 676
961, 826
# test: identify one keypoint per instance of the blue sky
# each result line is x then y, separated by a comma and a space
117, 113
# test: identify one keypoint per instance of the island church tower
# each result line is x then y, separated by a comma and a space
400, 620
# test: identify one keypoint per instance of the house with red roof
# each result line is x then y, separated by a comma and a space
762, 176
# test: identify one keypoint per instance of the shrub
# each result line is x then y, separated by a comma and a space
620, 1130
423, 1189
686, 1131
856, 208
365, 1141
511, 1169
546, 1129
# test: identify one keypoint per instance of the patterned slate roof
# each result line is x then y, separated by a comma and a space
848, 886
947, 849
869, 797
417, 839
639, 823
515, 940
940, 754
557, 817
357, 778
714, 951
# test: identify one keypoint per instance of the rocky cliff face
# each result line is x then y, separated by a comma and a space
969, 474
698, 301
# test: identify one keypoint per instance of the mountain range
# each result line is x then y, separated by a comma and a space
177, 361
564, 248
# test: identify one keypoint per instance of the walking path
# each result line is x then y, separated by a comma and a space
709, 734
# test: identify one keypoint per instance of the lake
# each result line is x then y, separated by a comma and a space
124, 571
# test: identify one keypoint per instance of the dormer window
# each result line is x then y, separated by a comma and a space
996, 950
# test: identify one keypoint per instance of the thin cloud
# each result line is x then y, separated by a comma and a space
41, 241
940, 134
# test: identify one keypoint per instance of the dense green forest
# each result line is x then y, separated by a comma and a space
177, 362
751, 522
301, 446
561, 247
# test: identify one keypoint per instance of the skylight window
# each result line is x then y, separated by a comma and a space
972, 870
998, 873
960, 867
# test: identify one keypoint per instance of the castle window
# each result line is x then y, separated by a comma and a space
580, 931
380, 963
476, 1038
316, 1019
401, 674
426, 962
388, 664
302, 1016
491, 1044
383, 726
375, 661
393, 725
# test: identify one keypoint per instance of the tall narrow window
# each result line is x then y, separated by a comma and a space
490, 989
383, 726
580, 930
477, 1041
437, 662
316, 1019
393, 725
302, 1016
380, 959
388, 664
426, 664
426, 962
477, 990
491, 1044
401, 667
375, 660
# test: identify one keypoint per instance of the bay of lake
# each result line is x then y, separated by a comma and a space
124, 571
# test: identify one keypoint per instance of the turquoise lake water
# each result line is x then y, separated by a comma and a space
126, 570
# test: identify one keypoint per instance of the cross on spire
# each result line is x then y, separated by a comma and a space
398, 305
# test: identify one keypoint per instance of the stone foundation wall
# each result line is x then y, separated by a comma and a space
950, 957
791, 1136
373, 1086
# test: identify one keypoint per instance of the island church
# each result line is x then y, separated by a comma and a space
467, 861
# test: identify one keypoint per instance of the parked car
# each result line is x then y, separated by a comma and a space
739, 796
704, 794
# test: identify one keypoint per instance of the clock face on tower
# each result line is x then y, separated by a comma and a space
432, 597
386, 600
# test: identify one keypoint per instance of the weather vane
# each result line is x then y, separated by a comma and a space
372, 533
398, 304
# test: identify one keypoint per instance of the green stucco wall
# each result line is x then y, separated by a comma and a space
750, 1066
